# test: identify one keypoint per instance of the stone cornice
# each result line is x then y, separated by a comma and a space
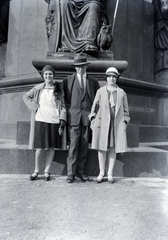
25, 82
143, 87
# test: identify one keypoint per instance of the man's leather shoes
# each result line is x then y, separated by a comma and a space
83, 177
70, 178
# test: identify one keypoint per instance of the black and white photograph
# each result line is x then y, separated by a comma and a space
83, 119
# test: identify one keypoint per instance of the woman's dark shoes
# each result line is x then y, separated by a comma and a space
46, 176
33, 176
70, 178
83, 177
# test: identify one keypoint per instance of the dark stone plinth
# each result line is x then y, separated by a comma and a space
144, 164
133, 135
141, 87
153, 133
62, 63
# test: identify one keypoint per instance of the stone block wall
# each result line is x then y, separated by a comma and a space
27, 36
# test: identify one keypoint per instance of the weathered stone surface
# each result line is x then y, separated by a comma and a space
153, 133
8, 130
20, 160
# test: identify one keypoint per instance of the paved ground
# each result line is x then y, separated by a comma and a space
129, 209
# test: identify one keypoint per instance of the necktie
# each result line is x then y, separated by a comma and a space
82, 84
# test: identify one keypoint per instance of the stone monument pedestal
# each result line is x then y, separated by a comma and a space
148, 110
62, 63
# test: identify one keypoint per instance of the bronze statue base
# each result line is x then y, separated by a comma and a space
62, 63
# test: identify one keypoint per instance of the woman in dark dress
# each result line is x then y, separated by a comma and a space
48, 117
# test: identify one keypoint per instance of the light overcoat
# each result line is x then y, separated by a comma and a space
101, 124
31, 99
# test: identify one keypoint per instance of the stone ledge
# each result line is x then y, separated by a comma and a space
23, 129
25, 82
135, 133
151, 133
131, 164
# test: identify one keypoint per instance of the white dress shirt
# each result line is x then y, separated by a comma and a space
84, 80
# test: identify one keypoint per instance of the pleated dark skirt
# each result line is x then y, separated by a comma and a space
46, 135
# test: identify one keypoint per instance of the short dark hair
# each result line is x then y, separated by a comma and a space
110, 75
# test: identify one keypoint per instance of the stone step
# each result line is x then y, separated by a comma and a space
19, 131
135, 133
143, 161
151, 133
23, 129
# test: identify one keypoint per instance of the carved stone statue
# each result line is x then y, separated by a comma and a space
161, 34
74, 25
105, 38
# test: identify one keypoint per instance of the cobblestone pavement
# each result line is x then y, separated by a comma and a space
129, 209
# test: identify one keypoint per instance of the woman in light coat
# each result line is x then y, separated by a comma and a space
109, 118
48, 117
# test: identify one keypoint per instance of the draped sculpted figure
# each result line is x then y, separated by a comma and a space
73, 25
161, 34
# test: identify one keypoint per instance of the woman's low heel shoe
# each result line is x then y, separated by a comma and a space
110, 179
46, 176
100, 179
33, 176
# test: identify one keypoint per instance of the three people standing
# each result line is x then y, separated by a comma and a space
106, 108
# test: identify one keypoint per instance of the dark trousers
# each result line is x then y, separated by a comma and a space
78, 149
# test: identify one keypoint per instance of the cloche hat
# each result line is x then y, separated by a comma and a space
48, 68
112, 71
80, 59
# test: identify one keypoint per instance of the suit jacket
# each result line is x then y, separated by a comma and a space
83, 104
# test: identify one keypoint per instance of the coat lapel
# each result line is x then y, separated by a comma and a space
89, 88
70, 82
105, 93
118, 103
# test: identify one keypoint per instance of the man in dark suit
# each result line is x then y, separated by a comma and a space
80, 90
